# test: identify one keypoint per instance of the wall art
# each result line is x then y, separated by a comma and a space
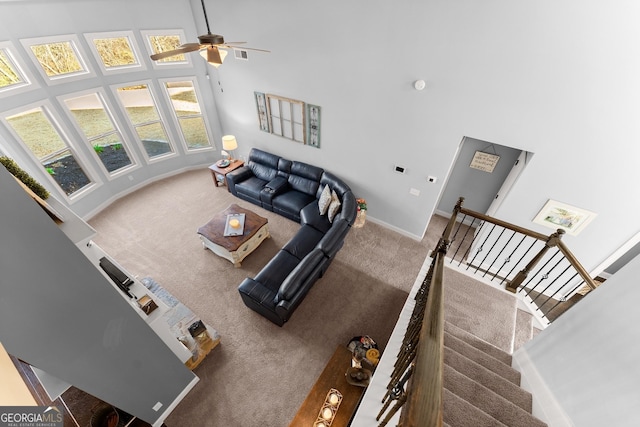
571, 219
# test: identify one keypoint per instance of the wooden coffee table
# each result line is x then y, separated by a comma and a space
234, 248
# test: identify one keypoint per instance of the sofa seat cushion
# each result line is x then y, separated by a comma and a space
292, 202
251, 187
276, 270
310, 215
303, 242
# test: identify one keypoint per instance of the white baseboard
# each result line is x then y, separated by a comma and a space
102, 206
545, 406
394, 228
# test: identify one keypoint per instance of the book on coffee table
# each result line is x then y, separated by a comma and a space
229, 230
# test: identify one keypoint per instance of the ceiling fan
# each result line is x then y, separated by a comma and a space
209, 46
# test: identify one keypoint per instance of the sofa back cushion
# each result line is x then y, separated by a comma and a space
263, 165
305, 178
334, 183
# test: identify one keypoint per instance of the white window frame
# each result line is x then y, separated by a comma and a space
132, 127
18, 64
108, 109
138, 66
176, 119
79, 51
165, 65
55, 121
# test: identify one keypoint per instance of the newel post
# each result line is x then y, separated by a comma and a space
444, 242
522, 274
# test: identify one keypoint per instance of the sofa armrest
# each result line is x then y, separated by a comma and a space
257, 292
237, 176
334, 239
296, 280
277, 185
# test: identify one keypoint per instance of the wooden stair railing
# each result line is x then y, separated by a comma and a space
551, 268
416, 385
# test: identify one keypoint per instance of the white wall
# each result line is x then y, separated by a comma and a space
556, 78
588, 358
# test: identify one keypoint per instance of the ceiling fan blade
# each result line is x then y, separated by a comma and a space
185, 48
230, 46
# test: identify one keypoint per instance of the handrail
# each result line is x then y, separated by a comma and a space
424, 402
555, 238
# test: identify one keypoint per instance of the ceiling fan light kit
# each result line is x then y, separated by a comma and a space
211, 46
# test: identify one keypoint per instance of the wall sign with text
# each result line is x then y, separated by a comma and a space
485, 162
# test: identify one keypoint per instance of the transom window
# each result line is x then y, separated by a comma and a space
44, 139
186, 108
97, 126
59, 59
12, 75
140, 105
165, 40
115, 51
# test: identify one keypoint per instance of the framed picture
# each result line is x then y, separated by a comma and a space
263, 115
313, 125
556, 215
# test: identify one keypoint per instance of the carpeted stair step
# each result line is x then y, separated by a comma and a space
478, 343
486, 400
458, 412
482, 358
489, 379
524, 329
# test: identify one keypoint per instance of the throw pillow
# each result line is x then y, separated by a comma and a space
324, 200
334, 207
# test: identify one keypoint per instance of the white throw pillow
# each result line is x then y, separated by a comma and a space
325, 200
334, 207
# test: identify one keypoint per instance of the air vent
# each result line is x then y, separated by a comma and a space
241, 54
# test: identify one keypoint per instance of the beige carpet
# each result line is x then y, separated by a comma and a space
260, 374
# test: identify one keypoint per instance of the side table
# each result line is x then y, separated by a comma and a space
217, 171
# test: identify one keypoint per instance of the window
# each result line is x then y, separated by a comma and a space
286, 117
97, 126
59, 59
139, 104
13, 77
115, 51
44, 139
186, 108
162, 41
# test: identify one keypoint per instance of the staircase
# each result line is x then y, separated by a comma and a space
480, 387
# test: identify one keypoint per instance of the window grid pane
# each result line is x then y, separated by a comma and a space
39, 135
115, 52
164, 43
9, 76
95, 123
143, 114
57, 59
187, 109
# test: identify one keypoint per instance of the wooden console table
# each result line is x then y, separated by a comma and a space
333, 376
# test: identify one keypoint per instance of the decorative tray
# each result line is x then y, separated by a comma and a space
234, 231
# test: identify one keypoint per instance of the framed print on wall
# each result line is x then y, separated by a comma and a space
313, 125
261, 106
571, 219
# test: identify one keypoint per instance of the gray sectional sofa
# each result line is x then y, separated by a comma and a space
296, 191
